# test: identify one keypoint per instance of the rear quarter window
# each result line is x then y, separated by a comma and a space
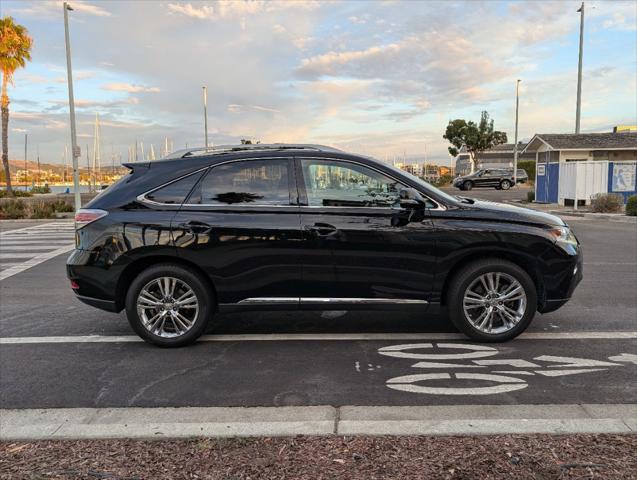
175, 193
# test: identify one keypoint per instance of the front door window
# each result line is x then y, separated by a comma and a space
342, 184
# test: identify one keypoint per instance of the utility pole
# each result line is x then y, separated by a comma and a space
515, 147
578, 111
38, 165
205, 115
25, 162
75, 150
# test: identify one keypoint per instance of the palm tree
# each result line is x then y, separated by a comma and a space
15, 48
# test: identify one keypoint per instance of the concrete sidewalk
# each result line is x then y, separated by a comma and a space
154, 423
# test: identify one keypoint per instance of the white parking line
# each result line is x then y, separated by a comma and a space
285, 337
36, 260
86, 423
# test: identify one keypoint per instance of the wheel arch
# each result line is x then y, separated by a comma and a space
139, 265
522, 261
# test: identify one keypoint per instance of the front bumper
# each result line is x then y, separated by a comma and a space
556, 297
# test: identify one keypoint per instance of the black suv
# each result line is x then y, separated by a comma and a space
498, 178
310, 227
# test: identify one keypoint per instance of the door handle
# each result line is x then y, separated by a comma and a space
195, 227
322, 229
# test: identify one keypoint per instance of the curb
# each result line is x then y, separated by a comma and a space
154, 423
612, 217
34, 220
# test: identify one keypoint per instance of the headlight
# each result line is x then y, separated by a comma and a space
564, 238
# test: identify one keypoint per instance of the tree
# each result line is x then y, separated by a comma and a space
15, 50
476, 138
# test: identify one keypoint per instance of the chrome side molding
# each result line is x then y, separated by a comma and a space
328, 300
268, 300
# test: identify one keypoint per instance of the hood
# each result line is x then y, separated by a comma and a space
506, 212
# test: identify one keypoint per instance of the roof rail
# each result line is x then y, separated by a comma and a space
219, 149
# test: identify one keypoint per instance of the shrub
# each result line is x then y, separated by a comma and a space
631, 206
530, 196
13, 209
444, 180
606, 203
16, 193
44, 189
42, 210
62, 206
529, 167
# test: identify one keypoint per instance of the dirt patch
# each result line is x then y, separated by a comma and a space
484, 457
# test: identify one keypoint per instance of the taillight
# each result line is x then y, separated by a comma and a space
84, 216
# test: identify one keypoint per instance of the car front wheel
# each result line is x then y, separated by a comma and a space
468, 185
169, 305
492, 300
505, 185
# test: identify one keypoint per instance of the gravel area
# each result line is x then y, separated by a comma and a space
488, 457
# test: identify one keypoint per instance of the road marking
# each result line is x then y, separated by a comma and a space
20, 247
274, 337
35, 244
36, 260
163, 422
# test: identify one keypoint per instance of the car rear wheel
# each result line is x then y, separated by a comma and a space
169, 305
505, 184
492, 300
468, 185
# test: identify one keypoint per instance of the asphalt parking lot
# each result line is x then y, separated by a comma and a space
56, 352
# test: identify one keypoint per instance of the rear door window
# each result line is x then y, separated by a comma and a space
247, 182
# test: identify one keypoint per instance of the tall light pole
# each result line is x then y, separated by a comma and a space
578, 111
75, 152
515, 147
205, 114
26, 170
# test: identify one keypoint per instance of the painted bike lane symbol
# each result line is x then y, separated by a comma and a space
502, 375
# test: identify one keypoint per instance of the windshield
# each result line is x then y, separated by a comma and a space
426, 186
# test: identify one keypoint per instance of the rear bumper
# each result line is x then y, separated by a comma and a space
108, 305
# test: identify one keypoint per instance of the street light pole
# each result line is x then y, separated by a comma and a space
578, 111
515, 147
75, 152
205, 114
26, 170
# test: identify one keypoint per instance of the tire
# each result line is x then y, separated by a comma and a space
175, 330
505, 184
468, 185
466, 316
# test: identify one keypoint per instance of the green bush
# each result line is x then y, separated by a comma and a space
42, 210
62, 206
16, 193
443, 181
530, 196
44, 189
529, 167
13, 209
606, 203
631, 206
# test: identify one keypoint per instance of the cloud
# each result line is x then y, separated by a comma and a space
53, 8
235, 108
236, 8
128, 87
203, 12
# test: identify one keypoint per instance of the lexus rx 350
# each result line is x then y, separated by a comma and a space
308, 227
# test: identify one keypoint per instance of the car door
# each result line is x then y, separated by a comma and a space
359, 246
241, 225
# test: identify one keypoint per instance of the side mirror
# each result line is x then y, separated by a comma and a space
411, 198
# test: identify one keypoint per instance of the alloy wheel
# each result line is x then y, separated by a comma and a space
494, 303
167, 307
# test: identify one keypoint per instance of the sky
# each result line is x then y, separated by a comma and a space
380, 78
